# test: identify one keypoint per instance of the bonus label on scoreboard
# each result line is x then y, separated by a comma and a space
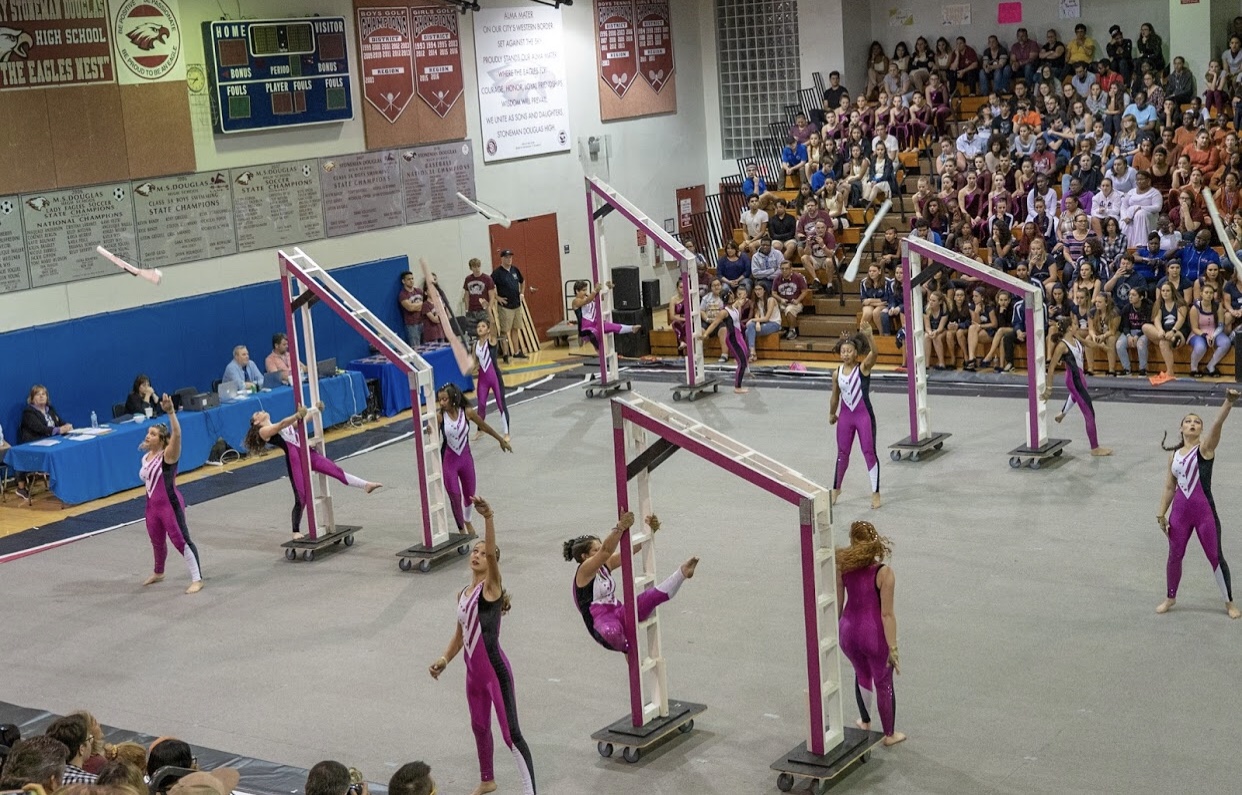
276, 73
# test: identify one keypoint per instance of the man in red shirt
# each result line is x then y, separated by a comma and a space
1023, 56
477, 292
411, 300
790, 291
1105, 76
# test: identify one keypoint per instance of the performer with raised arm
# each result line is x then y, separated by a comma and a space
1188, 490
165, 513
284, 435
591, 328
455, 415
734, 318
595, 591
851, 397
489, 676
1068, 348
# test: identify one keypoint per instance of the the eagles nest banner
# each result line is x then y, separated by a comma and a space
49, 44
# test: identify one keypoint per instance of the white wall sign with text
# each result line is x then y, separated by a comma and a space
523, 99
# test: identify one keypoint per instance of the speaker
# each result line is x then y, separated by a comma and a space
638, 343
626, 291
651, 293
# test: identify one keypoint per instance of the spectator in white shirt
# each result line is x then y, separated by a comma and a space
971, 143
754, 225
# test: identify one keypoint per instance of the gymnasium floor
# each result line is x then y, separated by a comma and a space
1033, 660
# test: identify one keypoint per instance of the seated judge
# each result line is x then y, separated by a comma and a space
241, 370
142, 398
39, 421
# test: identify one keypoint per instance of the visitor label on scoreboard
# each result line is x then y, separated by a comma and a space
361, 193
277, 205
618, 60
64, 227
432, 176
48, 43
14, 275
523, 100
387, 62
655, 43
184, 219
437, 57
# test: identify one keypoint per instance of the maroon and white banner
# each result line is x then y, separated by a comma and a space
387, 68
655, 43
49, 44
618, 60
437, 57
148, 41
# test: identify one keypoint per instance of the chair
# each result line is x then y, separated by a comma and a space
215, 385
118, 411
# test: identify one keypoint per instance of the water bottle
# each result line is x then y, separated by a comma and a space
94, 420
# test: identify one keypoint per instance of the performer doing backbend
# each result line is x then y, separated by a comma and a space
165, 507
1188, 488
734, 319
1068, 348
851, 394
284, 434
489, 677
868, 625
455, 415
594, 589
590, 328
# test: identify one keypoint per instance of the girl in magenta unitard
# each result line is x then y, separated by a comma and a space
284, 435
455, 416
487, 378
165, 508
1188, 489
1069, 349
734, 318
489, 677
590, 327
851, 410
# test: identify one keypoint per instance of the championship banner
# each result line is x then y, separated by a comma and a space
49, 44
148, 38
614, 35
437, 57
655, 43
387, 68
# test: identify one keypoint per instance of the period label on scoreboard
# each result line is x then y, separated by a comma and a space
49, 43
268, 74
618, 60
184, 219
387, 60
64, 227
361, 193
277, 205
655, 43
437, 57
432, 177
14, 275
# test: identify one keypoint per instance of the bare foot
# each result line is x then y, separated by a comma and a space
370, 487
298, 537
153, 579
893, 739
1232, 610
195, 587
1059, 417
477, 436
484, 786
1099, 451
1164, 606
836, 494
864, 726
875, 500
470, 531
741, 390
687, 568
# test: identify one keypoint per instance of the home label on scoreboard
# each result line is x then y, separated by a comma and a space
274, 73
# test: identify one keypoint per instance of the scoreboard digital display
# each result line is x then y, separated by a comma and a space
269, 74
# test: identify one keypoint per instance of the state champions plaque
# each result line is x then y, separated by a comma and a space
361, 193
184, 218
14, 275
276, 205
63, 227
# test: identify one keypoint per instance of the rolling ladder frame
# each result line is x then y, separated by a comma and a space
634, 417
601, 201
305, 283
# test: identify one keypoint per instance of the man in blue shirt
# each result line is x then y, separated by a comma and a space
793, 157
241, 370
1149, 261
754, 185
1195, 258
510, 287
1143, 113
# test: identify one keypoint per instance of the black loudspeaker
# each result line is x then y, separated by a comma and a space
651, 293
637, 344
626, 291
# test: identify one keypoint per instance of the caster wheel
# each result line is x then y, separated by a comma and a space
1058, 453
865, 758
938, 445
676, 397
894, 455
914, 456
785, 782
405, 564
630, 755
1035, 463
291, 554
686, 727
605, 749
464, 549
336, 543
1015, 462
424, 566
715, 387
308, 555
349, 541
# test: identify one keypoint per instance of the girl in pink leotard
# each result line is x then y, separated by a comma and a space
851, 397
165, 513
487, 377
590, 326
455, 415
285, 435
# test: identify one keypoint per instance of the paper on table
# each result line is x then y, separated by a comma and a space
100, 431
45, 443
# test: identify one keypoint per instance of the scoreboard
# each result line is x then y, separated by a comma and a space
275, 73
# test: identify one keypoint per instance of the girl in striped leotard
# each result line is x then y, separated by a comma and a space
489, 677
1068, 349
165, 508
488, 378
734, 318
590, 329
455, 416
851, 397
1188, 490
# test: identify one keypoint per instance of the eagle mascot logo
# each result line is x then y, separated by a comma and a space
14, 44
146, 35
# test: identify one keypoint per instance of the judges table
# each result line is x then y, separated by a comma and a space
395, 384
87, 468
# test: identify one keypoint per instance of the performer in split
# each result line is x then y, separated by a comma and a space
868, 625
851, 410
284, 435
1068, 348
489, 677
455, 415
1188, 489
590, 327
595, 592
165, 508
734, 318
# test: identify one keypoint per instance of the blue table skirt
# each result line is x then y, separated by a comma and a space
86, 470
395, 384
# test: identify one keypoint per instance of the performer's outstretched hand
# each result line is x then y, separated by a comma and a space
653, 522
894, 661
626, 521
166, 403
504, 445
482, 507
